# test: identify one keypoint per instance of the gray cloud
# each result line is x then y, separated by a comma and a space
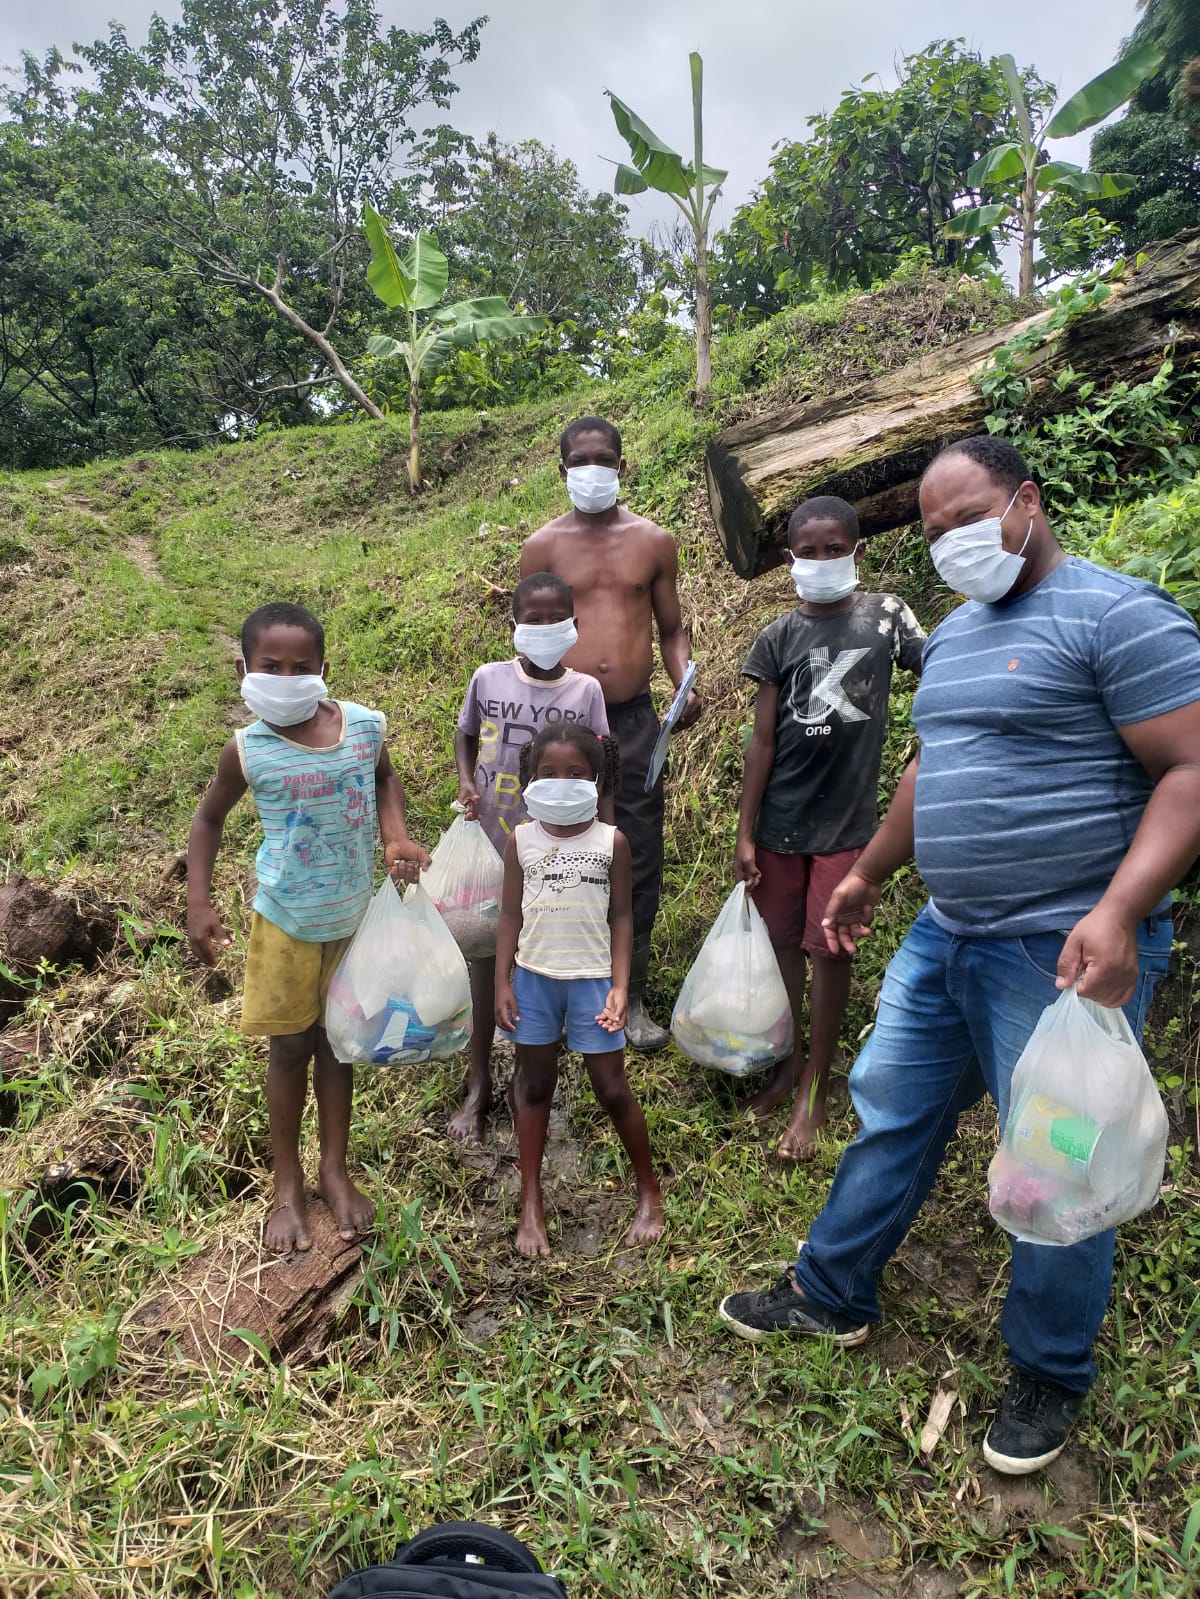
768, 64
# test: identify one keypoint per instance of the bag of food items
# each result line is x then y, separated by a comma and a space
401, 993
732, 1013
1086, 1137
464, 880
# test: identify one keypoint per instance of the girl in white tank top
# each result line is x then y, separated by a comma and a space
562, 961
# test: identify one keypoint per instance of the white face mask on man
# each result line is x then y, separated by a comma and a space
545, 643
823, 582
972, 559
593, 488
561, 800
281, 700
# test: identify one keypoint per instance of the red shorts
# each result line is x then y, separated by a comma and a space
793, 892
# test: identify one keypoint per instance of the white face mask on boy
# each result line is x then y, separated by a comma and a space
281, 700
545, 643
823, 582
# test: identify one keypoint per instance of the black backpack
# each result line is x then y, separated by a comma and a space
457, 1560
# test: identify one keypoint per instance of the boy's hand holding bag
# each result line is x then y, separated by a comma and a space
732, 1012
401, 993
1086, 1138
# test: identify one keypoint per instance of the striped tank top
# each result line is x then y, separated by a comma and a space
316, 864
564, 901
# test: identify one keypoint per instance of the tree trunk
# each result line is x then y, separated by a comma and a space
871, 443
1028, 231
703, 318
315, 337
293, 1303
414, 431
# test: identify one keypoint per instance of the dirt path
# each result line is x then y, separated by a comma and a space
141, 552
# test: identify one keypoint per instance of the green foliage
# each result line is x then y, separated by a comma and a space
1120, 469
250, 136
1157, 537
694, 188
416, 281
1164, 157
1020, 177
878, 177
528, 231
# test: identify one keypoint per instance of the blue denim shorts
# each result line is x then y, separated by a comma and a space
547, 1005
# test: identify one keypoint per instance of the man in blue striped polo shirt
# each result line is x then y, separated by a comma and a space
1054, 804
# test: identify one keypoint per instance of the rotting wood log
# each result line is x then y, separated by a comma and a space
871, 443
293, 1303
20, 1050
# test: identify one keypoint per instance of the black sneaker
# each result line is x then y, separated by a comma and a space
783, 1309
1031, 1425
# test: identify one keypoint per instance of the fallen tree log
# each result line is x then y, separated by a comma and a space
292, 1304
871, 443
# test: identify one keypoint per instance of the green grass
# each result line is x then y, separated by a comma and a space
590, 1404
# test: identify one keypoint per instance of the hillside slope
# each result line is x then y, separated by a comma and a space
588, 1403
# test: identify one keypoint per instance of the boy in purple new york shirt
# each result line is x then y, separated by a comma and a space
506, 704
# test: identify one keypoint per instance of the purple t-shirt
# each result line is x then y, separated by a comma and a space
503, 709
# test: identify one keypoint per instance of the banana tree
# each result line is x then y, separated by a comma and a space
691, 185
414, 283
1023, 167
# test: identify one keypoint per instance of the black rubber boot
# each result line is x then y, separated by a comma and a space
641, 1032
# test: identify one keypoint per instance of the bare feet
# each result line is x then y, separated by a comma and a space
799, 1141
777, 1092
287, 1221
531, 1232
352, 1210
468, 1125
647, 1222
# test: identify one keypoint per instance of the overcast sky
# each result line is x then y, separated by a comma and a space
769, 64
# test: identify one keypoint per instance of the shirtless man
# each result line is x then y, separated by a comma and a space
622, 572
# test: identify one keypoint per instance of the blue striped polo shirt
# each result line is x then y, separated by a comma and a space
316, 864
1027, 797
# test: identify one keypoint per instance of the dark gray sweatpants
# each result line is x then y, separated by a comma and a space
640, 815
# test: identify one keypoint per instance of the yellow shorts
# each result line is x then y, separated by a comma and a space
286, 980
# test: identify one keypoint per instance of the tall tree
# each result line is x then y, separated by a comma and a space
877, 177
273, 120
527, 230
692, 186
413, 285
1019, 173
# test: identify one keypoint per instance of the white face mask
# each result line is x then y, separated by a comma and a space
283, 701
825, 581
593, 488
972, 559
546, 643
561, 800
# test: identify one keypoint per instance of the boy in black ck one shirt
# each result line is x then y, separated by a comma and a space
809, 791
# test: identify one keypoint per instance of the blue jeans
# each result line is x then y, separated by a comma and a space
954, 1015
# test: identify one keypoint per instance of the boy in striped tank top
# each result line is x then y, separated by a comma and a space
319, 773
566, 924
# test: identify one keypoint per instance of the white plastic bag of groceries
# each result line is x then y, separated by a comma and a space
1086, 1137
401, 993
732, 1012
464, 881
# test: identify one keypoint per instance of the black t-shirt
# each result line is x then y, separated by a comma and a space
833, 673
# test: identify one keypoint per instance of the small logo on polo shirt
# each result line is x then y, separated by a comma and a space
1014, 663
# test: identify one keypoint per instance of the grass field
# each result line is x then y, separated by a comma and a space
591, 1404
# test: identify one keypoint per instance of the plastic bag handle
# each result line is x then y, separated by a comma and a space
743, 904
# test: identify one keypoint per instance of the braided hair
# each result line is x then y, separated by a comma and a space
601, 752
